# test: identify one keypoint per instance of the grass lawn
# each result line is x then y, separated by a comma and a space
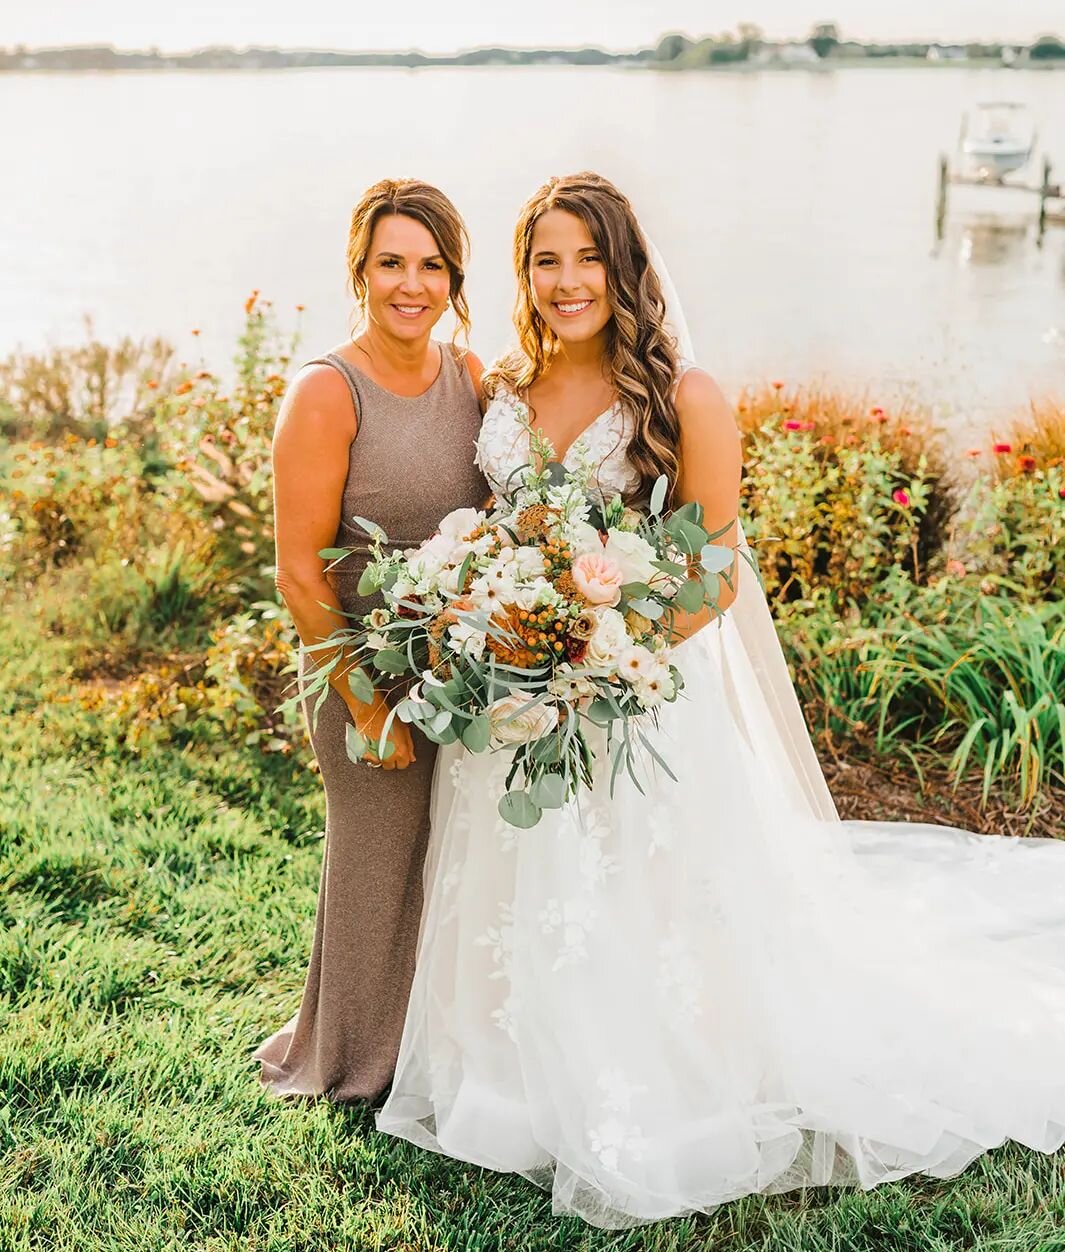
156, 920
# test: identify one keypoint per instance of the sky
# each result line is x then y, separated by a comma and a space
448, 25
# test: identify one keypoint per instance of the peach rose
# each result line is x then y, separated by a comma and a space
598, 578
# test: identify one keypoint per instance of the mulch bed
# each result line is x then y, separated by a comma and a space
882, 789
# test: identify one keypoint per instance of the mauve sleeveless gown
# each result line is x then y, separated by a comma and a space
410, 463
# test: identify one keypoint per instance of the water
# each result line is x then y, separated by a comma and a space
796, 210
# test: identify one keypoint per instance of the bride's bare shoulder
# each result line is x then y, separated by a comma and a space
699, 399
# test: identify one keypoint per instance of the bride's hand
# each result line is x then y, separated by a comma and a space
370, 721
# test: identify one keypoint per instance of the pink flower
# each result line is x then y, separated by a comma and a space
776, 385
598, 578
901, 497
792, 424
807, 425
1000, 448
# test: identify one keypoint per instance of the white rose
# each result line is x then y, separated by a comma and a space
583, 537
401, 589
528, 562
532, 724
633, 554
610, 639
459, 523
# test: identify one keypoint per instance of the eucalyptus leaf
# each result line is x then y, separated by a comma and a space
361, 686
549, 791
671, 567
635, 590
648, 608
691, 597
333, 554
354, 744
371, 528
601, 712
688, 536
367, 581
441, 721
715, 558
390, 661
690, 512
477, 733
519, 809
658, 494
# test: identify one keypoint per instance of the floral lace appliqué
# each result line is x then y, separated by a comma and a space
503, 446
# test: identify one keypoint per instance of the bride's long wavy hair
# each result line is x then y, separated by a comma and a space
641, 353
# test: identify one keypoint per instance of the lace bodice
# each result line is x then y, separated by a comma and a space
503, 444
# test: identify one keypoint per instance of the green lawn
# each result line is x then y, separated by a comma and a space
157, 915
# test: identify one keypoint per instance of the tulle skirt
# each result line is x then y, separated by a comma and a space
653, 1003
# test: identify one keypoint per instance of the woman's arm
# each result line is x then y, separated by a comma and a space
312, 438
710, 465
475, 370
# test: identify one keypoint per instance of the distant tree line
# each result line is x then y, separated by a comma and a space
674, 51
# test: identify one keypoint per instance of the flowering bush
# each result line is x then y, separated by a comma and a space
1013, 519
829, 518
231, 691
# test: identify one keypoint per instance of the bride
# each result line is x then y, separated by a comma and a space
654, 1003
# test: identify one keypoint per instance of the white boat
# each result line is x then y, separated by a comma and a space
996, 139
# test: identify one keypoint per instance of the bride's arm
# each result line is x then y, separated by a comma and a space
710, 465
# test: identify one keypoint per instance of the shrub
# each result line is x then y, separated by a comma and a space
81, 391
834, 496
1013, 519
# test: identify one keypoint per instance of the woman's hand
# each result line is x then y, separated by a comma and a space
370, 721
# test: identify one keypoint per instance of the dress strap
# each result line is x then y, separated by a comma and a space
351, 378
684, 364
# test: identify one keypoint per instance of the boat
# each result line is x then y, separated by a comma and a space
997, 138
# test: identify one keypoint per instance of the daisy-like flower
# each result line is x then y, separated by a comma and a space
636, 664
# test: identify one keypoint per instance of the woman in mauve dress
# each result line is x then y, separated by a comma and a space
383, 427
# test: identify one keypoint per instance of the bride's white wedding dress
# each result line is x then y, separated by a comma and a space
655, 1003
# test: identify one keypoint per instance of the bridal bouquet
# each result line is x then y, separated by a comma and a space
525, 623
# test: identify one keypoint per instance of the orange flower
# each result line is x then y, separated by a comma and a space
1026, 464
249, 304
776, 385
975, 452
